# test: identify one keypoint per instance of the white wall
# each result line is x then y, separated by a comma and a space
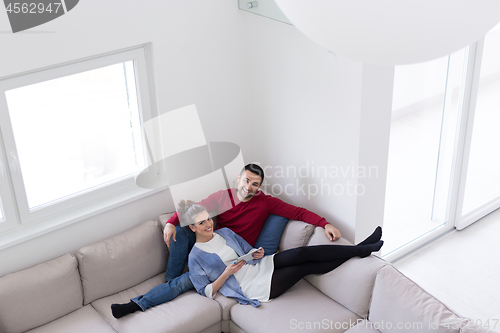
256, 82
198, 56
306, 114
374, 130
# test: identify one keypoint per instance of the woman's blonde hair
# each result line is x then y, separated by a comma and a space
188, 210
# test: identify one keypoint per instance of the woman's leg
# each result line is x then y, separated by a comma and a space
292, 265
328, 252
320, 253
286, 277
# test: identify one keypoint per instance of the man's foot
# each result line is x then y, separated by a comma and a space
369, 248
374, 237
120, 310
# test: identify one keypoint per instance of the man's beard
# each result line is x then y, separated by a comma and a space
245, 195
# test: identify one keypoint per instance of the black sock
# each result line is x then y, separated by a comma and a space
120, 310
369, 248
373, 238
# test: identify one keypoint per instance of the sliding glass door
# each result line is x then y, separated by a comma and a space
444, 155
481, 194
424, 122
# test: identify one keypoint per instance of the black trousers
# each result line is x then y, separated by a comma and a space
292, 265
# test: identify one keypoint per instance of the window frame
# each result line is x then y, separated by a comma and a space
22, 223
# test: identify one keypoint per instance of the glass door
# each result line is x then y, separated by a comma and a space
422, 148
444, 155
481, 194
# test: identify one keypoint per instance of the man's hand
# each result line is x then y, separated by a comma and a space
331, 232
258, 254
169, 232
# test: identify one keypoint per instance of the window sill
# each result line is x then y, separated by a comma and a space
23, 233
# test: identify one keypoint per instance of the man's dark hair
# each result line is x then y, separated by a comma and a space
254, 168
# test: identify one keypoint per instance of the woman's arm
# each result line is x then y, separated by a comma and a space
243, 244
199, 277
230, 270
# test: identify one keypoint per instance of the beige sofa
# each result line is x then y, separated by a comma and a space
73, 294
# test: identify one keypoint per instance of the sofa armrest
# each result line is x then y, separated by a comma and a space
399, 301
351, 283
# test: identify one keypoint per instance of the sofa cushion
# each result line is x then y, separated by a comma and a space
296, 234
302, 308
40, 294
401, 304
225, 303
83, 320
165, 217
189, 312
122, 261
472, 327
357, 273
270, 235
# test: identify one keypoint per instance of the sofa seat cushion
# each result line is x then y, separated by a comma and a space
122, 261
40, 294
399, 303
303, 308
357, 273
83, 320
190, 312
225, 303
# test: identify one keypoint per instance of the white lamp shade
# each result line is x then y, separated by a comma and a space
392, 32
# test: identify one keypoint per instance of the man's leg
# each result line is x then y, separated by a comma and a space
179, 251
160, 294
164, 292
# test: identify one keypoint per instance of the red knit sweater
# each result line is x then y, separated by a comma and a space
247, 218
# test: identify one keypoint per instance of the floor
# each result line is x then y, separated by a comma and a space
462, 270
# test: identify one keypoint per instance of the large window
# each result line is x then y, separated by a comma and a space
72, 138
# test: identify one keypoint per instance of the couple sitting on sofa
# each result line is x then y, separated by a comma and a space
244, 211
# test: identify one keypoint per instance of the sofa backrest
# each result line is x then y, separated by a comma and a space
122, 261
40, 294
351, 283
397, 300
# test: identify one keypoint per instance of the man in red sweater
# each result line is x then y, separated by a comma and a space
244, 210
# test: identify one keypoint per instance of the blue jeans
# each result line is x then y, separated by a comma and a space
177, 284
164, 292
179, 251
